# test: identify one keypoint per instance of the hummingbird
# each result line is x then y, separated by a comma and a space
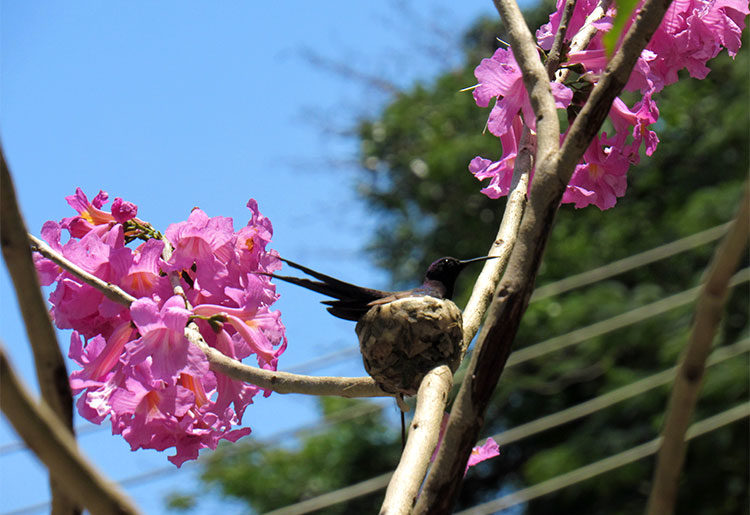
352, 301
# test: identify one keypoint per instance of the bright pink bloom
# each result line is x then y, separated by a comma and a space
137, 367
489, 449
643, 114
600, 179
163, 340
693, 32
499, 77
499, 172
204, 242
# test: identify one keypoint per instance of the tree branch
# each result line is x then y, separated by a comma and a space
485, 285
50, 366
109, 290
555, 52
42, 431
513, 293
284, 382
687, 384
424, 433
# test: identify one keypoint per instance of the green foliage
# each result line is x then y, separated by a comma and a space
269, 477
415, 157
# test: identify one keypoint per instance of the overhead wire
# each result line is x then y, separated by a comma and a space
631, 262
605, 465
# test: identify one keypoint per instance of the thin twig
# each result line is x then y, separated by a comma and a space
584, 36
284, 382
48, 359
111, 291
555, 53
487, 281
424, 432
40, 428
708, 313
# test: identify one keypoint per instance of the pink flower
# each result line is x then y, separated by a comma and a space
600, 179
163, 340
204, 242
499, 77
489, 449
499, 172
643, 114
137, 367
139, 271
692, 32
251, 325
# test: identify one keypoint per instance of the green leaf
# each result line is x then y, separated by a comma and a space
625, 9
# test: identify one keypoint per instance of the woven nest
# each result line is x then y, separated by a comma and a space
403, 340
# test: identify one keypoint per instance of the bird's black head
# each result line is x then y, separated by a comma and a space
445, 271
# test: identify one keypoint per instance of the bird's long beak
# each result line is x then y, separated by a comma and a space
474, 260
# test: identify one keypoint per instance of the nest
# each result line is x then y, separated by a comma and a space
403, 340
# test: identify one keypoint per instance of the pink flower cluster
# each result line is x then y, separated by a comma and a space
137, 367
692, 32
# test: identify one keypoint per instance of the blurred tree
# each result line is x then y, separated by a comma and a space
415, 156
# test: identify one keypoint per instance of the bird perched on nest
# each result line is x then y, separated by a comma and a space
403, 334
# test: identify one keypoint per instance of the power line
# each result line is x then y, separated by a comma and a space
630, 262
515, 434
611, 398
617, 322
607, 464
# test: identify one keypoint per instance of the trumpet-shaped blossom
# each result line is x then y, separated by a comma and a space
137, 367
500, 77
489, 449
600, 179
693, 32
499, 172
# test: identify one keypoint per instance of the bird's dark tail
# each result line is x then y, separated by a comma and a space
351, 302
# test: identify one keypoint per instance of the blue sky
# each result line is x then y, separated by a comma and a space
178, 104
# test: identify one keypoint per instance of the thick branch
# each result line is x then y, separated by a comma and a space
424, 433
687, 384
50, 366
42, 431
512, 294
